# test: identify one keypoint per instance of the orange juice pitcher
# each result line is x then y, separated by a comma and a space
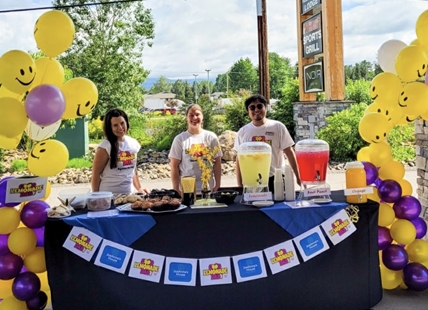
355, 178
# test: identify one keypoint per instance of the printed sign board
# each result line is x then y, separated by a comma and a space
312, 36
313, 77
309, 5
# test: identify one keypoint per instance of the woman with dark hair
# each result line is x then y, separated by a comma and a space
181, 161
115, 163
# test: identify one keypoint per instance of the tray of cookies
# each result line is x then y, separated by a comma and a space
158, 201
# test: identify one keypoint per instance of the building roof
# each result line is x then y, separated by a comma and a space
160, 96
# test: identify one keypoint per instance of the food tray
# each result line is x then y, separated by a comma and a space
127, 208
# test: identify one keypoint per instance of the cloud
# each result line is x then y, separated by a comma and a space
194, 35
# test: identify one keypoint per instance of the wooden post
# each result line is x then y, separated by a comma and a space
264, 88
334, 75
302, 61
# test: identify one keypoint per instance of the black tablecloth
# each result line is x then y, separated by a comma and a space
344, 277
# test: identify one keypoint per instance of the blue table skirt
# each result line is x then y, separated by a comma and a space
295, 222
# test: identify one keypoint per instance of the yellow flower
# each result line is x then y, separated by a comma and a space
204, 157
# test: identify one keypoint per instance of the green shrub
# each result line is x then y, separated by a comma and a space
137, 127
341, 133
402, 140
95, 129
79, 163
165, 131
19, 165
358, 91
236, 115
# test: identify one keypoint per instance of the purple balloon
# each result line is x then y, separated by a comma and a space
40, 234
395, 257
3, 184
39, 302
4, 248
415, 276
371, 172
45, 104
26, 286
384, 238
10, 266
421, 227
377, 182
407, 207
389, 190
34, 214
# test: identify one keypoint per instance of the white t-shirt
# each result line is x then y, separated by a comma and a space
272, 132
119, 180
189, 166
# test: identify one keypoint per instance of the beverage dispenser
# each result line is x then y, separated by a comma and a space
254, 164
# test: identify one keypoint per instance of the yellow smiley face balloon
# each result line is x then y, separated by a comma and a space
54, 32
392, 114
385, 89
411, 63
405, 120
49, 71
13, 117
421, 28
18, 71
414, 99
374, 127
47, 158
81, 96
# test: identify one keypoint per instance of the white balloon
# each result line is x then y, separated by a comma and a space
387, 53
39, 133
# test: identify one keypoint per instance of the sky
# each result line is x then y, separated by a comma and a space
194, 35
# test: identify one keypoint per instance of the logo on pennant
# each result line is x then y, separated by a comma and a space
282, 257
27, 189
215, 271
147, 267
339, 227
82, 242
181, 272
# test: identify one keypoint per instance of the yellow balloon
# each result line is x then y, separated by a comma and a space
4, 92
421, 28
35, 261
81, 96
403, 231
406, 187
411, 63
374, 127
386, 215
392, 113
418, 43
363, 154
54, 32
385, 89
18, 71
9, 220
49, 71
392, 170
414, 99
425, 263
390, 279
11, 303
9, 143
22, 241
403, 286
374, 196
44, 283
47, 158
13, 118
380, 153
5, 288
418, 251
406, 119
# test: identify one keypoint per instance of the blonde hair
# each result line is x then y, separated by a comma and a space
196, 106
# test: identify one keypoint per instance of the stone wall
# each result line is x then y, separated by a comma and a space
421, 134
316, 111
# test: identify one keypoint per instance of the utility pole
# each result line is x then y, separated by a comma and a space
209, 93
196, 89
227, 83
264, 88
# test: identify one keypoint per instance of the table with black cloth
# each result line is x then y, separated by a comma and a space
344, 277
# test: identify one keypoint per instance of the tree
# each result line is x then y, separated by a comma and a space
161, 86
280, 72
107, 49
243, 75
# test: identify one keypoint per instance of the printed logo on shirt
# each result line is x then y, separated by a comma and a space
261, 139
126, 158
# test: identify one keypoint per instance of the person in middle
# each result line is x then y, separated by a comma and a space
182, 163
270, 131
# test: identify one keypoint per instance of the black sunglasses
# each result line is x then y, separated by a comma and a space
253, 107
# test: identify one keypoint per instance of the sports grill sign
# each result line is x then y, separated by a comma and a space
312, 36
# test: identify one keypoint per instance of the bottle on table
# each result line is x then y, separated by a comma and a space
278, 184
355, 178
290, 193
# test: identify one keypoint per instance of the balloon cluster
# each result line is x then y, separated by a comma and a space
23, 278
34, 98
400, 95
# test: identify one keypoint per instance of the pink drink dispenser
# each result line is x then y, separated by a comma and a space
312, 157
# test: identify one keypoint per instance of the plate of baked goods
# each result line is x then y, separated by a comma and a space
150, 208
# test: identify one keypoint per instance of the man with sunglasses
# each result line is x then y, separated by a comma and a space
262, 129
